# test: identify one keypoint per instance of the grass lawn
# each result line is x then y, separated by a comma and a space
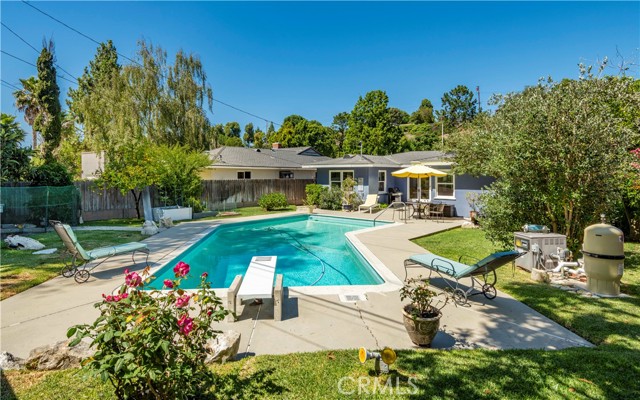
609, 371
242, 212
21, 270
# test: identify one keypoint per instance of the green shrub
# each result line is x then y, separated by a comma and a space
151, 344
331, 199
197, 205
314, 193
273, 201
50, 174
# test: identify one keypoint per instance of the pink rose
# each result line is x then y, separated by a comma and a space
181, 269
132, 279
204, 275
124, 295
186, 324
182, 301
109, 298
168, 283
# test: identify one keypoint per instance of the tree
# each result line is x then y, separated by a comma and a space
556, 149
424, 113
340, 125
398, 116
70, 149
249, 134
458, 106
48, 122
259, 139
232, 129
215, 135
130, 171
176, 173
96, 102
370, 125
13, 158
27, 102
185, 92
297, 131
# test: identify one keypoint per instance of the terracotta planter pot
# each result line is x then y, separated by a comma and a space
421, 330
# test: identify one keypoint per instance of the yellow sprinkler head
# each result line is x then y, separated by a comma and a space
388, 355
383, 360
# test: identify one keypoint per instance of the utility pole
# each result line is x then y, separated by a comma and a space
479, 103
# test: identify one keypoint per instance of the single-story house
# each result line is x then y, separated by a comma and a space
373, 176
231, 163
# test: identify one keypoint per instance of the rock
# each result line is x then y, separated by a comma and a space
23, 243
166, 222
9, 361
58, 356
224, 347
149, 228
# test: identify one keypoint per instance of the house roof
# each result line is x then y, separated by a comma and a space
291, 158
392, 160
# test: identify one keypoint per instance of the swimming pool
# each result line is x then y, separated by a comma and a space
312, 250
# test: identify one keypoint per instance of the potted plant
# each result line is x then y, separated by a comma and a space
422, 315
350, 198
472, 199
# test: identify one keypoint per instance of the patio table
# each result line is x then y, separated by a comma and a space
420, 208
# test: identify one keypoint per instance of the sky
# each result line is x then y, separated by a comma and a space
274, 59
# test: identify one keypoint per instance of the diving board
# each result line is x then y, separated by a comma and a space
258, 280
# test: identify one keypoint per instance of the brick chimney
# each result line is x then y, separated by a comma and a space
275, 146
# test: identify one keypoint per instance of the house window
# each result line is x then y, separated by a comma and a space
382, 181
244, 174
336, 177
445, 186
425, 188
286, 175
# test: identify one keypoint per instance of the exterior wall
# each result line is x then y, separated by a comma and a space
463, 184
91, 162
226, 174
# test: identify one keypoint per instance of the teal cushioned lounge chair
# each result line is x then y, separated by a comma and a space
81, 257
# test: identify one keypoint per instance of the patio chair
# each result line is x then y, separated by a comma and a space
81, 257
370, 203
457, 270
436, 210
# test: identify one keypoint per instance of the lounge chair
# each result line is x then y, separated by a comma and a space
81, 257
458, 270
370, 203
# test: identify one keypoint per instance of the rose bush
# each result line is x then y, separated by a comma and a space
150, 344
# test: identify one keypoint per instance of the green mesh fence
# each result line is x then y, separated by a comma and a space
37, 205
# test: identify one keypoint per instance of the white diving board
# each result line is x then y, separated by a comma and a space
258, 280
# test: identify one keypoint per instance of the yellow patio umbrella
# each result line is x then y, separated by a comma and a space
418, 171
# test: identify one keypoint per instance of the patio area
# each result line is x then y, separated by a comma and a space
42, 315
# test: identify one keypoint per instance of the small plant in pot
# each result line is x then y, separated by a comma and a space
422, 315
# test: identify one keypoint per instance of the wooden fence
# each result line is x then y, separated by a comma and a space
99, 203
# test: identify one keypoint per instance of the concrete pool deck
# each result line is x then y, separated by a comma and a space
311, 322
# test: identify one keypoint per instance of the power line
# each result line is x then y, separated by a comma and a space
10, 85
36, 50
133, 61
35, 66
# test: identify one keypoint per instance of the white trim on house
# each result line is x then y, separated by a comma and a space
385, 181
341, 171
453, 183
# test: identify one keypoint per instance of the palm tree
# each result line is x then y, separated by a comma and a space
27, 102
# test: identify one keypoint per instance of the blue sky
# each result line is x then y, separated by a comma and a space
315, 59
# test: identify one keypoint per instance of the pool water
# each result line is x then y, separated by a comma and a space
312, 250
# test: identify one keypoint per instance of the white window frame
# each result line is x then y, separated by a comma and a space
453, 187
341, 171
385, 181
428, 199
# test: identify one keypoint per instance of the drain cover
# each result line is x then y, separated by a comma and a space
352, 298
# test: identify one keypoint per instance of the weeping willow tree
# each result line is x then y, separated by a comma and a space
556, 149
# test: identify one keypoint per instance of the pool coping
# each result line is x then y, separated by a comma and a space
390, 281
